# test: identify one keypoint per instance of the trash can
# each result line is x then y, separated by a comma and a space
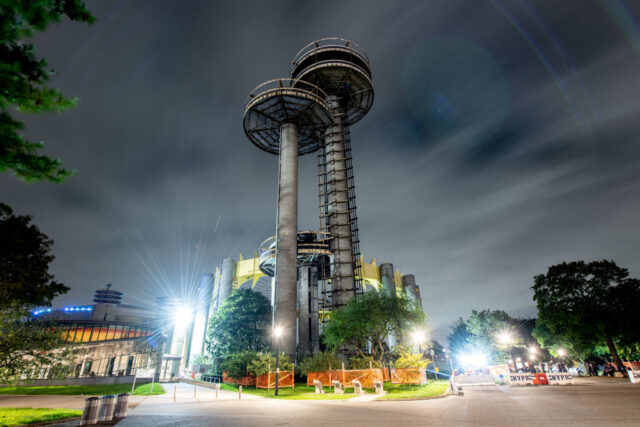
107, 407
90, 412
121, 406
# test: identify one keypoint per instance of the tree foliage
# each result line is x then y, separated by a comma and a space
24, 78
588, 304
406, 359
266, 362
241, 323
27, 345
372, 317
25, 255
322, 361
360, 362
236, 365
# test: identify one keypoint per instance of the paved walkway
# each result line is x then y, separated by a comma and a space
41, 401
583, 405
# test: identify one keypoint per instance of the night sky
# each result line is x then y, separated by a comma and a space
504, 138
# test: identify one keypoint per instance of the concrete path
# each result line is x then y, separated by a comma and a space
68, 402
583, 405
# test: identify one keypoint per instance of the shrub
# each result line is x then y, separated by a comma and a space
236, 365
365, 362
263, 362
322, 361
406, 359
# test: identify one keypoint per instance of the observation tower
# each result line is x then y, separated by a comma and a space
342, 70
288, 118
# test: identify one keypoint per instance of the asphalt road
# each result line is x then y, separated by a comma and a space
585, 404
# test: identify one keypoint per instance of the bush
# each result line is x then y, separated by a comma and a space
237, 364
365, 362
406, 359
265, 362
322, 361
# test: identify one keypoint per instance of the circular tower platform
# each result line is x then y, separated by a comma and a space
340, 68
312, 248
281, 101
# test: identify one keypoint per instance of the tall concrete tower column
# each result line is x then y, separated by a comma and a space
288, 118
303, 310
338, 221
286, 235
411, 290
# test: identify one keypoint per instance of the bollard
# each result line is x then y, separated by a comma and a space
175, 387
217, 387
319, 388
195, 389
337, 387
107, 407
121, 405
239, 392
90, 413
357, 387
379, 386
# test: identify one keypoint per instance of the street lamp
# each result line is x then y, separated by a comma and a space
277, 332
561, 352
506, 339
418, 338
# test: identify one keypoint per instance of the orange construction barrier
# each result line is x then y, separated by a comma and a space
268, 380
416, 376
244, 381
346, 376
541, 379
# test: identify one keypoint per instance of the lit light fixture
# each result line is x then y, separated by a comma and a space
182, 317
277, 332
505, 337
561, 352
533, 350
418, 337
532, 356
475, 358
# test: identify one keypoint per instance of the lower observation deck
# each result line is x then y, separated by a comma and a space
313, 249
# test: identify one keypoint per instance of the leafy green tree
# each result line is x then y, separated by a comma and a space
406, 359
589, 304
24, 78
25, 255
371, 317
359, 362
322, 361
266, 362
241, 323
26, 345
236, 365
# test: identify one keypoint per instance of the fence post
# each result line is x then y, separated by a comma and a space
217, 388
134, 384
239, 392
343, 380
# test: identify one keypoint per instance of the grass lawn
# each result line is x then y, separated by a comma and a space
300, 392
22, 416
87, 390
399, 391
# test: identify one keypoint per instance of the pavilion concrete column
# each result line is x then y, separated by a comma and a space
411, 290
389, 286
303, 310
287, 246
314, 320
226, 279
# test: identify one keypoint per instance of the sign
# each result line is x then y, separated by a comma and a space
521, 379
145, 373
634, 376
560, 378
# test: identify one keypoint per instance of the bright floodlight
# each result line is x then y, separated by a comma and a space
533, 350
474, 358
561, 352
417, 337
182, 317
505, 337
277, 331
532, 356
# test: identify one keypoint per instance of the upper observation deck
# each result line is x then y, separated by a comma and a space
341, 69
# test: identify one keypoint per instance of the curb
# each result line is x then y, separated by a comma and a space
438, 396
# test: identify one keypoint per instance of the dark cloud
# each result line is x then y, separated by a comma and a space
503, 139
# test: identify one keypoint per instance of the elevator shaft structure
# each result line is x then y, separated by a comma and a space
288, 118
343, 71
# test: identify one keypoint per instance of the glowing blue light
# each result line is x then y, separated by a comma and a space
49, 309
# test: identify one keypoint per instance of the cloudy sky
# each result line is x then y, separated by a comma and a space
503, 139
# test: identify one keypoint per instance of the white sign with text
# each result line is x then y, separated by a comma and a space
145, 373
560, 378
634, 376
521, 379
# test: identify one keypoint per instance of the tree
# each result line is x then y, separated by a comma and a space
241, 323
371, 317
23, 79
25, 255
323, 361
27, 345
588, 304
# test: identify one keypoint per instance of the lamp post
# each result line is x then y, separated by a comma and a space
418, 338
277, 331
